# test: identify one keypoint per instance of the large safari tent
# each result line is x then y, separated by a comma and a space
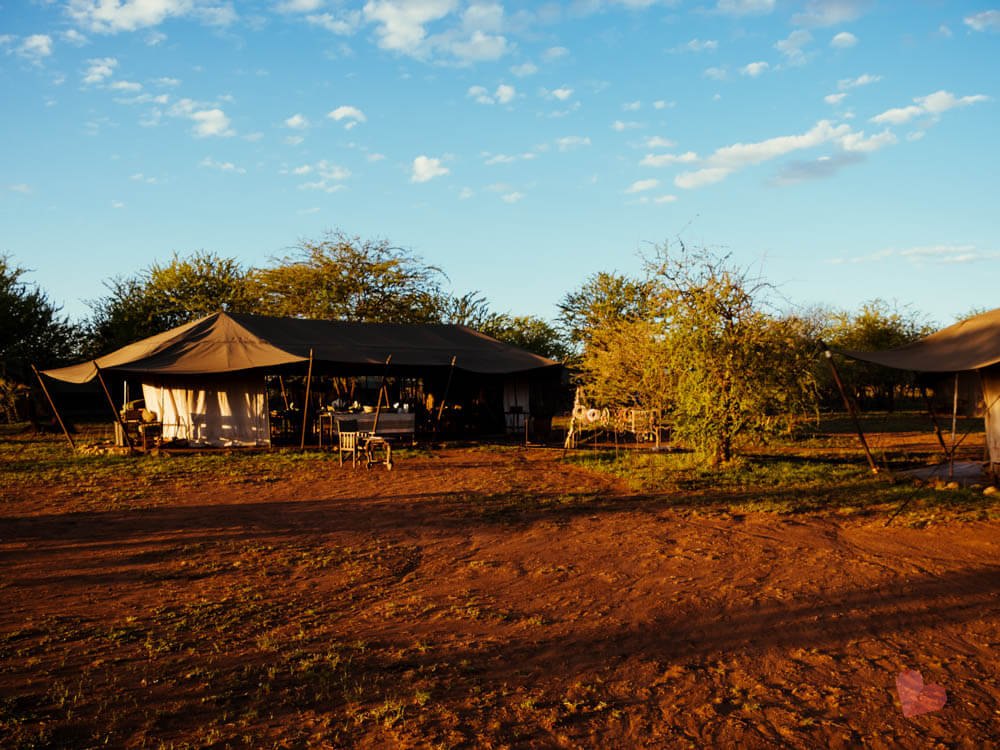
212, 381
968, 349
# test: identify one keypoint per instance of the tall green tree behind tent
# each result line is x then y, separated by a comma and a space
349, 278
877, 325
526, 331
605, 299
162, 296
31, 330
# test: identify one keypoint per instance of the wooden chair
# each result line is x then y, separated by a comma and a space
348, 440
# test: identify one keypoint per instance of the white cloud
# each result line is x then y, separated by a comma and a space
562, 94
524, 69
666, 160
222, 166
655, 141
155, 37
164, 81
619, 125
298, 6
945, 31
427, 168
862, 80
916, 135
75, 38
125, 86
834, 98
717, 74
512, 197
665, 199
112, 16
209, 122
843, 40
791, 47
986, 20
554, 53
465, 194
322, 185
22, 188
745, 7
932, 104
639, 185
352, 115
375, 157
754, 69
297, 122
631, 106
660, 104
858, 142
480, 93
499, 159
304, 169
98, 69
830, 12
343, 25
697, 45
35, 48
294, 140
726, 160
117, 204
504, 93
571, 141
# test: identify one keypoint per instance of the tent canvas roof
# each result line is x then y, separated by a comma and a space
229, 342
968, 345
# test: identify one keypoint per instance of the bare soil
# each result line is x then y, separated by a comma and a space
483, 598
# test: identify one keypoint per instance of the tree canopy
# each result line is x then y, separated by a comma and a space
31, 330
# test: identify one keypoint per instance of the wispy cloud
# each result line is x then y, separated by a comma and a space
933, 104
223, 166
349, 115
986, 20
426, 168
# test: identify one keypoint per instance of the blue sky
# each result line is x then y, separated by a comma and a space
845, 149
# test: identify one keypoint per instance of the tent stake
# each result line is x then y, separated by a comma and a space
53, 405
305, 406
381, 390
850, 407
447, 387
111, 403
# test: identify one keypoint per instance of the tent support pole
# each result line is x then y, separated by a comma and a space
937, 427
850, 408
986, 423
111, 403
447, 387
53, 405
381, 390
954, 426
305, 405
284, 396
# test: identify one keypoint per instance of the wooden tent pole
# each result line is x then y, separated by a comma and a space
447, 387
53, 405
305, 406
937, 427
284, 396
954, 426
850, 408
111, 403
381, 389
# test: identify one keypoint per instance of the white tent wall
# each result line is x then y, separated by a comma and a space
516, 394
991, 395
220, 411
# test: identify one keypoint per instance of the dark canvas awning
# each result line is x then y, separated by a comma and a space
229, 342
972, 344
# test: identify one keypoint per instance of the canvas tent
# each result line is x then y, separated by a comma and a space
972, 345
205, 379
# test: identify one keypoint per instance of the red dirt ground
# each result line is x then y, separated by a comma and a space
486, 599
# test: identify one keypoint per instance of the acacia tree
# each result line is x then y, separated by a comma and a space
348, 278
526, 331
605, 299
163, 296
31, 331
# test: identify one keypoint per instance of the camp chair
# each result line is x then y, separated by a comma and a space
348, 440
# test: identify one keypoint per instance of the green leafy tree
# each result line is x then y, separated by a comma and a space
526, 331
31, 330
163, 296
877, 325
605, 299
347, 278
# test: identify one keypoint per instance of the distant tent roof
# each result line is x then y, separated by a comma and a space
229, 342
969, 345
